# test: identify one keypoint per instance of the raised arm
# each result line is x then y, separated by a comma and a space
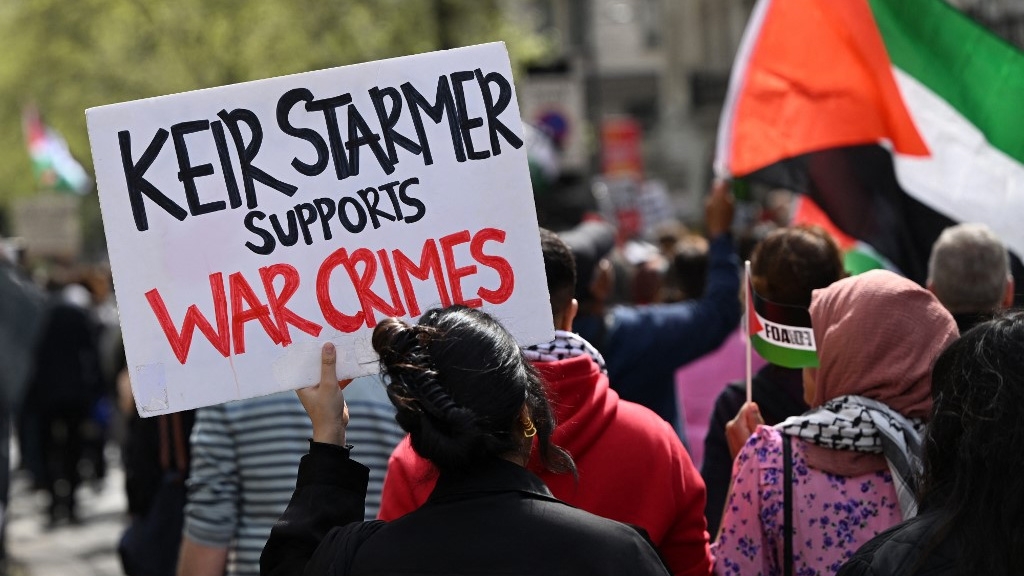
331, 488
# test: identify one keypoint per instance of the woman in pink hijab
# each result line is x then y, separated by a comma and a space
851, 461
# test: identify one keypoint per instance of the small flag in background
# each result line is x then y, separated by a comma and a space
858, 256
897, 117
781, 334
52, 162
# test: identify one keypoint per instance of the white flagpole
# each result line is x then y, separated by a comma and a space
749, 306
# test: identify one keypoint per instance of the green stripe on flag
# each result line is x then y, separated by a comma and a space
862, 257
785, 357
856, 262
964, 64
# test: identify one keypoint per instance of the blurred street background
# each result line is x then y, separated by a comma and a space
84, 549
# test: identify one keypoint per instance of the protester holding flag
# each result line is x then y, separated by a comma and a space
786, 267
807, 492
972, 491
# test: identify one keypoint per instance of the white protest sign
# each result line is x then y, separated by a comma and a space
248, 224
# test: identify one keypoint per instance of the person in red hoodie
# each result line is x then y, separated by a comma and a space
631, 465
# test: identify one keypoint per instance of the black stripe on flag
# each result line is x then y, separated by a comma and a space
795, 316
856, 186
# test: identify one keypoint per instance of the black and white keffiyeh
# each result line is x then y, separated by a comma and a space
565, 345
864, 425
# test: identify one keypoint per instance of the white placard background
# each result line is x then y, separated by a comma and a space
177, 257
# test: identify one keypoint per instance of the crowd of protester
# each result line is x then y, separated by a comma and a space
471, 455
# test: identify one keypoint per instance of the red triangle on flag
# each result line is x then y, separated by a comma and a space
32, 125
808, 213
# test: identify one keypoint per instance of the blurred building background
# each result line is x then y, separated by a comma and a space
663, 64
625, 90
1004, 17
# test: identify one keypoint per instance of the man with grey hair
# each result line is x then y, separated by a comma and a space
969, 272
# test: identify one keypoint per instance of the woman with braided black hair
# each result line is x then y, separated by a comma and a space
474, 407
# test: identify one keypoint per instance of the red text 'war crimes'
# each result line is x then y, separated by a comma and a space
235, 302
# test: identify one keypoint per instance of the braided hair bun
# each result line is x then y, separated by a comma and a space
459, 383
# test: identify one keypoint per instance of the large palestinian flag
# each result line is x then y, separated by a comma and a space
896, 117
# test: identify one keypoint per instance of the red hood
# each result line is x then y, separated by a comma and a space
615, 445
583, 405
582, 401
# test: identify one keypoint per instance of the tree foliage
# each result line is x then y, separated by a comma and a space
68, 56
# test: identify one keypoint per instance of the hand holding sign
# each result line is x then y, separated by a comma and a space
325, 401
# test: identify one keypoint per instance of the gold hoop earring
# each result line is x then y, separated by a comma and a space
529, 430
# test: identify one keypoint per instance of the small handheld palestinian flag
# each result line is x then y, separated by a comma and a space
781, 334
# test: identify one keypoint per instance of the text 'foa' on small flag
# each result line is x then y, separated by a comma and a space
781, 334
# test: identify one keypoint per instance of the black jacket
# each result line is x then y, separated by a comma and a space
66, 379
904, 550
500, 520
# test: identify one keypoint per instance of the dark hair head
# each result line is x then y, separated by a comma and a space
560, 269
973, 472
590, 243
790, 263
459, 383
